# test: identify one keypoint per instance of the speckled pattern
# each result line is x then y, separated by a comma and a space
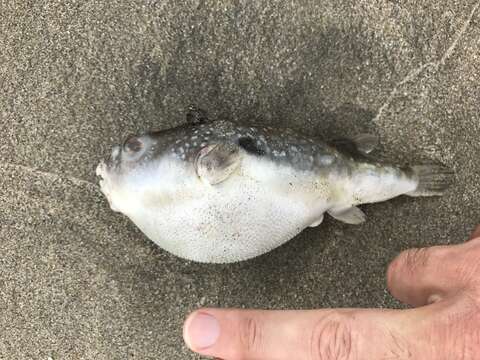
81, 282
281, 145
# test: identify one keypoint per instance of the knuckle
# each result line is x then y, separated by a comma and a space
458, 333
467, 274
463, 266
333, 338
250, 337
414, 261
476, 341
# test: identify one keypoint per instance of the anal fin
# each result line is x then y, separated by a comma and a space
352, 215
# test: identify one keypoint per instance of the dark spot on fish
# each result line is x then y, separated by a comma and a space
250, 146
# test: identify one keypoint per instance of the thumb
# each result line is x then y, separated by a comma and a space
309, 334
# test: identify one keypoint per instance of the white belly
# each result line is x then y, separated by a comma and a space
224, 225
251, 213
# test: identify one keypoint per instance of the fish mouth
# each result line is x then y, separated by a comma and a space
101, 170
113, 161
104, 173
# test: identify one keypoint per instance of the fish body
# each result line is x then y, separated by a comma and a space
221, 192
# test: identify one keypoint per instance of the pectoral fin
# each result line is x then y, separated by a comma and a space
352, 215
216, 162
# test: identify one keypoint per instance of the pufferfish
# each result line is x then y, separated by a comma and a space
220, 192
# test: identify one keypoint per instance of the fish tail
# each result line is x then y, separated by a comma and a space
432, 180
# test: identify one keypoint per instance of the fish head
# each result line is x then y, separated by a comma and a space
140, 164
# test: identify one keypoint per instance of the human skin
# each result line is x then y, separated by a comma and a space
441, 283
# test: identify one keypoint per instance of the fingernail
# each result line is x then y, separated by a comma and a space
202, 331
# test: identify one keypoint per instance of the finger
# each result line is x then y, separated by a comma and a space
476, 233
314, 334
421, 276
416, 276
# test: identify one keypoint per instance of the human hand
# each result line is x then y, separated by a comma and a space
442, 283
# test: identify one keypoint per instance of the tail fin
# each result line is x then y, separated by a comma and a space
433, 180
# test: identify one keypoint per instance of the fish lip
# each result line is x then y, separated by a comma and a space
105, 182
102, 170
113, 161
99, 171
115, 154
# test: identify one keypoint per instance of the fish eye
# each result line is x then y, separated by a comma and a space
133, 144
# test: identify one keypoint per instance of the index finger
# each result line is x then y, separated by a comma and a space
309, 334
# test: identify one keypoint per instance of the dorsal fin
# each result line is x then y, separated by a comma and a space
366, 143
195, 115
358, 147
